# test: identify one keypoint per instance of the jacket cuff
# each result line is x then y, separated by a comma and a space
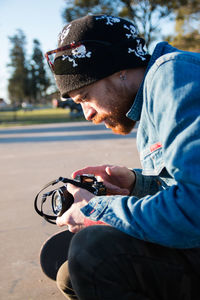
96, 207
145, 185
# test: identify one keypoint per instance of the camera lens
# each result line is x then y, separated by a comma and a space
57, 200
61, 201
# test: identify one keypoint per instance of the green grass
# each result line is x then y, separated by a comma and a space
42, 116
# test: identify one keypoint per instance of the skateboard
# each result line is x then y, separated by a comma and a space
54, 252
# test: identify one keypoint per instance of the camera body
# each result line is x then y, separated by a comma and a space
62, 199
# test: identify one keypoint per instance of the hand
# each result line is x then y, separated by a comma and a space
118, 180
73, 217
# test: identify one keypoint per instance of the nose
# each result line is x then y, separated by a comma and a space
88, 110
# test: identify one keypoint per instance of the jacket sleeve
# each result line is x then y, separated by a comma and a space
169, 217
146, 185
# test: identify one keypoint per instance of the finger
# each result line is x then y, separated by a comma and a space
87, 170
114, 170
71, 227
66, 219
59, 222
76, 228
109, 170
96, 170
72, 189
121, 176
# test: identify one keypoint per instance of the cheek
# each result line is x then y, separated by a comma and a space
104, 107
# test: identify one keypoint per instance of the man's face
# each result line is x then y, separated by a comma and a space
106, 101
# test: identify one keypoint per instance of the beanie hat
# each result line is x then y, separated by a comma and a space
105, 45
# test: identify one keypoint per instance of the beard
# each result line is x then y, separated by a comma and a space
116, 121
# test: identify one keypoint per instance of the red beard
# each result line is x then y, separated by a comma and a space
117, 123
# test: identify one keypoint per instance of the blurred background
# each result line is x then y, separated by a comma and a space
28, 29
42, 137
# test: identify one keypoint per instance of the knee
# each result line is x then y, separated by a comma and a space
62, 277
63, 281
83, 247
89, 246
88, 242
86, 252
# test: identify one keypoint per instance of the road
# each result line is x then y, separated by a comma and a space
30, 157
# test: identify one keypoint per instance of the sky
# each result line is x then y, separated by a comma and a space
39, 19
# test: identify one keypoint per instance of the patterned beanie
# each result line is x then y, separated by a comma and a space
107, 45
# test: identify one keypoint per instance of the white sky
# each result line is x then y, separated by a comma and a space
39, 19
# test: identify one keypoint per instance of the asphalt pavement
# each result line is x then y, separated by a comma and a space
30, 157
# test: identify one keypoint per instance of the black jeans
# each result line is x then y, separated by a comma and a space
104, 263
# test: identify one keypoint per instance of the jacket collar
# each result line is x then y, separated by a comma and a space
135, 110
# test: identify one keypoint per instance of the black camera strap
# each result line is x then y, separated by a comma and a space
47, 217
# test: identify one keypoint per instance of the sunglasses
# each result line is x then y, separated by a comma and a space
51, 55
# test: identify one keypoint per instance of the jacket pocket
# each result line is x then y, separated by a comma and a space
152, 160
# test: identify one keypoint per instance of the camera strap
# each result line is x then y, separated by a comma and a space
47, 217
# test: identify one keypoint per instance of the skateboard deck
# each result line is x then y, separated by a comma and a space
54, 252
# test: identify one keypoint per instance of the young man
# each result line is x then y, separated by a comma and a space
149, 245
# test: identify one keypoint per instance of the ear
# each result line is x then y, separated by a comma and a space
122, 72
122, 75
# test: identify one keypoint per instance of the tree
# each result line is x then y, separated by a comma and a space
39, 82
148, 15
18, 82
187, 29
29, 81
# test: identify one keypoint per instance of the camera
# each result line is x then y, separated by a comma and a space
61, 199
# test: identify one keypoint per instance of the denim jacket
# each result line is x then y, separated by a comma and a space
164, 206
